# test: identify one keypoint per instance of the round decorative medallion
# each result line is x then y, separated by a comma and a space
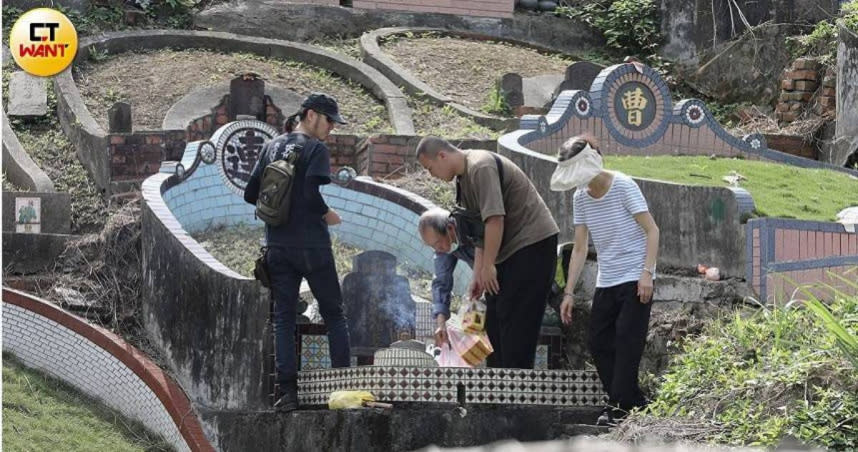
207, 152
582, 106
635, 105
695, 115
238, 145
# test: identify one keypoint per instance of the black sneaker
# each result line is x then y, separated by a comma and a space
286, 403
288, 400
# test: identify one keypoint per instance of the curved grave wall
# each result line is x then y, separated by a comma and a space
100, 364
93, 143
210, 321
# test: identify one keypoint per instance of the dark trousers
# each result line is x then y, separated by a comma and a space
514, 315
618, 327
287, 267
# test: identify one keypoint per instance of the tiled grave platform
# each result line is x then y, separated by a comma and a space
446, 385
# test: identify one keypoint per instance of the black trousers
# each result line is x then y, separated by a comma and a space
618, 327
514, 315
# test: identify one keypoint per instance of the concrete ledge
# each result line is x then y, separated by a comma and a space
32, 253
305, 22
375, 57
402, 428
21, 170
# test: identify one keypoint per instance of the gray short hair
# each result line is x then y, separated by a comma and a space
435, 218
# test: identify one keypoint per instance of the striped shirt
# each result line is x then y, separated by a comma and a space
620, 241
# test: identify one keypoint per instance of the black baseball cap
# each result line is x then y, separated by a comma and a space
324, 104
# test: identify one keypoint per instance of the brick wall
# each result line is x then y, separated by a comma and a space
787, 253
100, 364
800, 89
135, 156
203, 128
390, 155
485, 8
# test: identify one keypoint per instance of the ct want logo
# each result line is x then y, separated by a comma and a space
43, 42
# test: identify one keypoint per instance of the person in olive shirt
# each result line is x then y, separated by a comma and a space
301, 248
516, 264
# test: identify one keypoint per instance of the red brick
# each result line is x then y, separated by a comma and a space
829, 82
783, 106
829, 92
117, 139
805, 63
803, 75
379, 169
805, 85
389, 148
795, 106
826, 101
788, 116
153, 139
388, 158
787, 84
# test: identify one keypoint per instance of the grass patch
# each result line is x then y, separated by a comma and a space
237, 247
430, 119
758, 375
43, 413
778, 190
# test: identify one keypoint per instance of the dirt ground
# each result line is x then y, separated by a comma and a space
467, 70
153, 81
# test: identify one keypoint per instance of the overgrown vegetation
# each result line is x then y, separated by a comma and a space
237, 247
40, 413
759, 375
821, 42
778, 190
630, 27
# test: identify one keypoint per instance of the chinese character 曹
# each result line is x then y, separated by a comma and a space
634, 102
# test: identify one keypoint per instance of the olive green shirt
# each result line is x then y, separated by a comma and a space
527, 219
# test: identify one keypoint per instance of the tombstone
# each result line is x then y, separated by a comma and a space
378, 303
247, 96
539, 90
579, 75
119, 118
511, 89
28, 95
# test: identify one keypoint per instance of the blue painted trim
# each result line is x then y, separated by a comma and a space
803, 225
834, 261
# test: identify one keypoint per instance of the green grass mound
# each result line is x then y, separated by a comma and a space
763, 375
778, 190
42, 413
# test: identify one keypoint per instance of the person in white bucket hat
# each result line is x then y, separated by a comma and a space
610, 207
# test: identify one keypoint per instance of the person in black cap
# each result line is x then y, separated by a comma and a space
301, 248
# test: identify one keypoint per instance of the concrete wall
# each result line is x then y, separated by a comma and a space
846, 132
101, 365
210, 322
487, 8
789, 253
693, 26
20, 169
274, 19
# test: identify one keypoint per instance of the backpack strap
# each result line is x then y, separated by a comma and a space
500, 178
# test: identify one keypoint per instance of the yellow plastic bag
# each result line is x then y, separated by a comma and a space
343, 400
473, 316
